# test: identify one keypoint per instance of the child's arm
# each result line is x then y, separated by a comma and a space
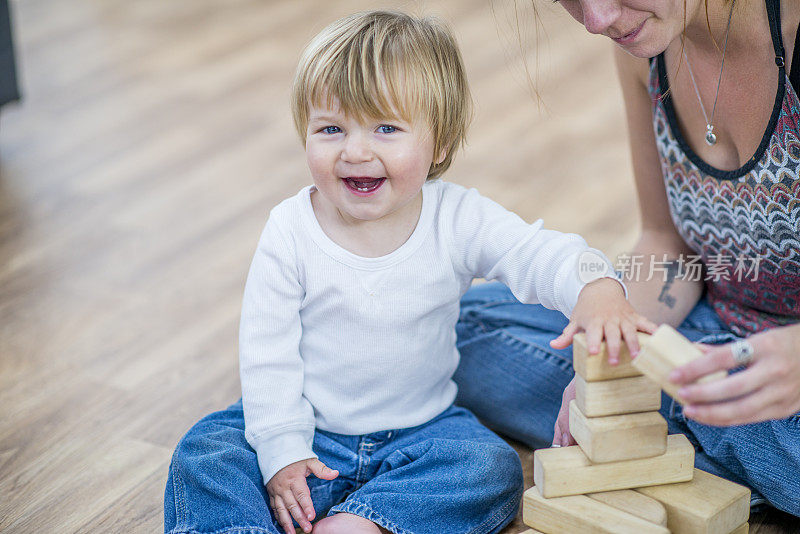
538, 265
279, 420
543, 266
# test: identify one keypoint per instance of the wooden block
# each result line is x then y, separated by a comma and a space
707, 504
742, 529
562, 471
664, 351
629, 501
594, 367
579, 513
618, 396
618, 437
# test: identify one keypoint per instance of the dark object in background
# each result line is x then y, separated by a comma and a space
8, 74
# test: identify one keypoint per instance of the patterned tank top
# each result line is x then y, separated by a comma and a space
743, 225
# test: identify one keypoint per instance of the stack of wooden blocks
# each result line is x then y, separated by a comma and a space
626, 475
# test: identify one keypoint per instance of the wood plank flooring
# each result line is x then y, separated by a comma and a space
135, 178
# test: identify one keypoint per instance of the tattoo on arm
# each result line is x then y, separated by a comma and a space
673, 272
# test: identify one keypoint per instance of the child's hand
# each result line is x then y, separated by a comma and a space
603, 313
561, 434
289, 493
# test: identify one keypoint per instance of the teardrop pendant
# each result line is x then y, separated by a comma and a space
711, 139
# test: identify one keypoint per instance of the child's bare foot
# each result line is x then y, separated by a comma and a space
343, 523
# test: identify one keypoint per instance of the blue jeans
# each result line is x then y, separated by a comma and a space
450, 474
513, 381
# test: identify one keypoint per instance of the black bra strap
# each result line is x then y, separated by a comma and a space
774, 15
794, 74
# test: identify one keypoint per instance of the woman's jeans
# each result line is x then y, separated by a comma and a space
512, 379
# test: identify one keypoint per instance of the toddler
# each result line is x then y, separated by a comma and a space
347, 338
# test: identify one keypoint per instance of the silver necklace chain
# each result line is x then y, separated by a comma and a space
711, 138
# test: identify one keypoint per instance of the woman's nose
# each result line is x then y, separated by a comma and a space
356, 149
599, 15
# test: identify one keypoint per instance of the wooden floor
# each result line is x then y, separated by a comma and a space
135, 178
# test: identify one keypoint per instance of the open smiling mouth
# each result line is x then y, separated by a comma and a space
363, 185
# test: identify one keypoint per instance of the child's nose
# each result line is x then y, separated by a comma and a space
356, 149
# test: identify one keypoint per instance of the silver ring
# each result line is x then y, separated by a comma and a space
742, 352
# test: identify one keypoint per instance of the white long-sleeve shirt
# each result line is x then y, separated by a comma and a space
354, 345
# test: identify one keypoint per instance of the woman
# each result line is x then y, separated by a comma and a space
714, 123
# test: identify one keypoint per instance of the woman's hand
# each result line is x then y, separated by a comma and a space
768, 389
289, 496
561, 435
603, 313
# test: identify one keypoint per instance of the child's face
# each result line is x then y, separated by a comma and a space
368, 170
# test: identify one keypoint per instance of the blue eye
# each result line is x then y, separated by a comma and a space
386, 128
331, 130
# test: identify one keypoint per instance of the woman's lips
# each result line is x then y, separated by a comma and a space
628, 38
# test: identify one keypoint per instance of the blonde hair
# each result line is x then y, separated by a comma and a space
387, 64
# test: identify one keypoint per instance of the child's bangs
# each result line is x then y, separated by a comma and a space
371, 77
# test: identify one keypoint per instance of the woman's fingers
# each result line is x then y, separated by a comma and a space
769, 388
716, 359
557, 435
566, 437
562, 422
561, 435
760, 405
735, 385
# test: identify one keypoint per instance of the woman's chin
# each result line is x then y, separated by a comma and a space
644, 50
640, 51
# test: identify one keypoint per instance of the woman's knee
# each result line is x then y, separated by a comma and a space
488, 293
490, 308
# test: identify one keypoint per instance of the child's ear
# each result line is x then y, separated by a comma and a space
441, 158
